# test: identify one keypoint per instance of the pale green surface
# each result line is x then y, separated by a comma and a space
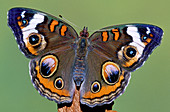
149, 88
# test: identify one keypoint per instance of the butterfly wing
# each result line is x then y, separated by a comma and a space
113, 53
49, 42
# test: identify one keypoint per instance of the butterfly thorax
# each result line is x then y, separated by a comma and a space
82, 43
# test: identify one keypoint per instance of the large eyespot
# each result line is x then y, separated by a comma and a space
130, 52
35, 39
110, 72
48, 65
95, 87
59, 83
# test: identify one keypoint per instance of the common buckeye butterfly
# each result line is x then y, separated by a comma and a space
62, 61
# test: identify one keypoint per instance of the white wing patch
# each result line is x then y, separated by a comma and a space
37, 18
22, 14
133, 32
148, 30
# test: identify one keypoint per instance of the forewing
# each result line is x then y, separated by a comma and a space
37, 32
128, 45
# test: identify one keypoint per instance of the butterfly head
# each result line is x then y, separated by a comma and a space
84, 32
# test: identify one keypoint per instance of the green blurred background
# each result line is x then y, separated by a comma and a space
149, 87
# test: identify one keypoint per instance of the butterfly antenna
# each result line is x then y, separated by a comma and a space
69, 22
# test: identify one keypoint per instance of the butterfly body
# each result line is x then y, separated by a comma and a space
62, 61
79, 70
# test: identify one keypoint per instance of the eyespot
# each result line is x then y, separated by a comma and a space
95, 87
110, 72
35, 43
24, 22
130, 52
48, 65
59, 83
35, 39
146, 39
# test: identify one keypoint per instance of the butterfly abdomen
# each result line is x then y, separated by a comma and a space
79, 70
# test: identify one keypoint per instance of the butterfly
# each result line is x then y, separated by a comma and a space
62, 61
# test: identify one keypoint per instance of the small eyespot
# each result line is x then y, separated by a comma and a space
130, 52
146, 38
95, 87
24, 22
59, 83
110, 72
48, 65
35, 39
